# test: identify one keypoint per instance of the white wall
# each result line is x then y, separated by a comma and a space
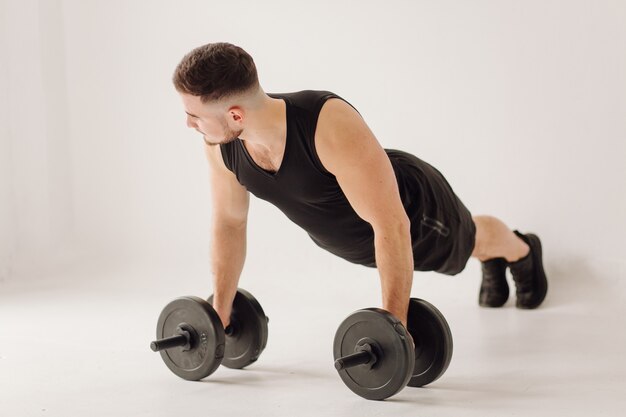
7, 231
35, 189
520, 104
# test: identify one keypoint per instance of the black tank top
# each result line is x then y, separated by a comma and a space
306, 192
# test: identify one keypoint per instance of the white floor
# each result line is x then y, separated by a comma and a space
76, 343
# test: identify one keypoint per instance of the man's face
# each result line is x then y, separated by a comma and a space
210, 121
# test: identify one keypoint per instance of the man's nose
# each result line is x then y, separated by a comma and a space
191, 123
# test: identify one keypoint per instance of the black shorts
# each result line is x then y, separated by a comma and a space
443, 232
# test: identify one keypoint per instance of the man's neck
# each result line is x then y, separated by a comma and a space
268, 127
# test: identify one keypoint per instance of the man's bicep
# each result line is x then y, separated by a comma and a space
229, 199
371, 187
348, 149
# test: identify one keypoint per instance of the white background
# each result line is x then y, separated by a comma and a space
104, 194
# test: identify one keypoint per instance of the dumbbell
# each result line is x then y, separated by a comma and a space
374, 355
193, 342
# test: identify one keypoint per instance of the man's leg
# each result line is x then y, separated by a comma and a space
495, 240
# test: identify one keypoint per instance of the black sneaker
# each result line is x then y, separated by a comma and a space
494, 290
530, 278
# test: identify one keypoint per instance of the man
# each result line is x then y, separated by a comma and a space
312, 155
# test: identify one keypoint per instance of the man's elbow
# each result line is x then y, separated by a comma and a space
399, 224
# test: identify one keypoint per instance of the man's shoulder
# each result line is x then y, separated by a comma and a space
303, 93
336, 113
306, 99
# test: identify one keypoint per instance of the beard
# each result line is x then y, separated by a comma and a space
230, 135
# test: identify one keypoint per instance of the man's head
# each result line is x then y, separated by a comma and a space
218, 83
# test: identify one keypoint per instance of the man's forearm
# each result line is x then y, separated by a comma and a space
228, 253
394, 260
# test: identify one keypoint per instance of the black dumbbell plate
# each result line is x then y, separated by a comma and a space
393, 368
433, 342
249, 338
207, 349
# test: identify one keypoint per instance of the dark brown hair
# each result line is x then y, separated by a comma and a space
214, 71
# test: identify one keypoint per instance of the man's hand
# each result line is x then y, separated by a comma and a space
224, 312
400, 314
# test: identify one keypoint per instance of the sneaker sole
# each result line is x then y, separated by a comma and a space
483, 300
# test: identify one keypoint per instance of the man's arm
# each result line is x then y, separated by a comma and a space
230, 202
348, 149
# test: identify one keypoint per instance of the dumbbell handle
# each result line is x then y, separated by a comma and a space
169, 342
364, 356
184, 337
